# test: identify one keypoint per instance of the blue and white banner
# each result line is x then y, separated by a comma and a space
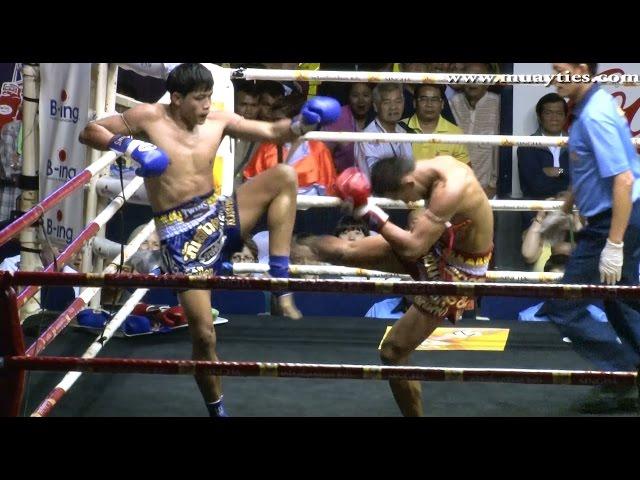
64, 107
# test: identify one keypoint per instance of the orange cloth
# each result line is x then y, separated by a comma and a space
316, 167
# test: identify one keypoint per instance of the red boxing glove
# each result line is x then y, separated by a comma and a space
353, 186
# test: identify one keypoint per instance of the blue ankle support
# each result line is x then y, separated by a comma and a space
216, 409
279, 268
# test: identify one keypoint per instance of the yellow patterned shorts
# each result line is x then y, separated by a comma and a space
456, 267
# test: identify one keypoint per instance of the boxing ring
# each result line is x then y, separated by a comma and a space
16, 358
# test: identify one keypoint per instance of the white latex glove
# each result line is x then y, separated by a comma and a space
611, 262
555, 226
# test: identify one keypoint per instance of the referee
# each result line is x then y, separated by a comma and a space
605, 187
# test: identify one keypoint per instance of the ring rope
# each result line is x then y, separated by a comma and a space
466, 289
110, 188
495, 275
308, 201
85, 297
405, 77
87, 234
465, 139
55, 197
54, 396
312, 370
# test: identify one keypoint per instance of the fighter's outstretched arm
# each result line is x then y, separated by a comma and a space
258, 130
314, 113
99, 133
115, 132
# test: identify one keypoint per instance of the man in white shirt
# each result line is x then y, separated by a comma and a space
388, 102
477, 112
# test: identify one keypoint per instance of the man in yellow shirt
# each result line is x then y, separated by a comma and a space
428, 102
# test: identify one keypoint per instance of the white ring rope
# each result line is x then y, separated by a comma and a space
324, 270
110, 187
497, 140
71, 377
129, 250
412, 77
308, 201
125, 101
101, 163
118, 201
348, 137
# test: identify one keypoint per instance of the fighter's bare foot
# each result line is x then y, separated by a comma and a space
287, 307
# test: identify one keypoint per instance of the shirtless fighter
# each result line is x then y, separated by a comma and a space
198, 230
451, 241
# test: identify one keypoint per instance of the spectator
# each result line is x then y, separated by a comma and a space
247, 99
449, 90
10, 168
311, 159
390, 308
146, 260
351, 229
247, 104
544, 171
270, 91
408, 89
388, 103
536, 251
248, 254
152, 242
47, 254
428, 102
477, 112
290, 86
354, 117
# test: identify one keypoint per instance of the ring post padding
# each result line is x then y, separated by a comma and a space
12, 380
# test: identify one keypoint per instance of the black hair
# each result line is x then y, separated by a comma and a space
593, 67
369, 85
253, 248
290, 105
558, 260
348, 222
247, 86
551, 98
440, 88
387, 174
273, 88
189, 77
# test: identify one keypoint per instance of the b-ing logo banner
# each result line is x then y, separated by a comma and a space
64, 108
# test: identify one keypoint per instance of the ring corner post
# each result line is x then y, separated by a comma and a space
12, 381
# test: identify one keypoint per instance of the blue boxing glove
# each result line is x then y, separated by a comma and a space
315, 112
153, 161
